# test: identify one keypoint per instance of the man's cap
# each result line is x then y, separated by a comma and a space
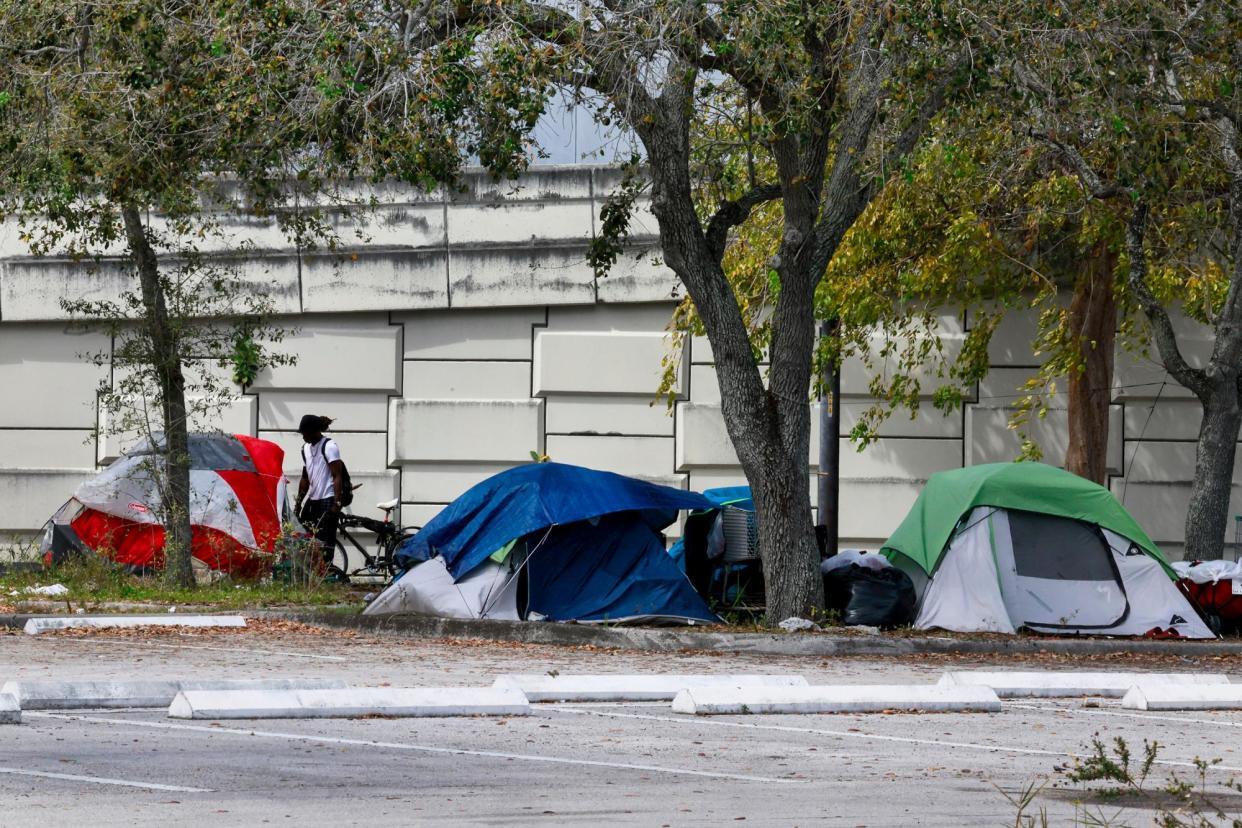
310, 422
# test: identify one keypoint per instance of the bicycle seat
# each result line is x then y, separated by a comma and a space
388, 505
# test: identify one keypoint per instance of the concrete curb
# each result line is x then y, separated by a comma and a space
352, 702
1170, 697
856, 698
90, 694
619, 687
40, 624
1053, 684
672, 640
10, 710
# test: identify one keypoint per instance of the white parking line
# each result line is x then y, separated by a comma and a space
103, 780
847, 734
488, 754
1088, 711
129, 642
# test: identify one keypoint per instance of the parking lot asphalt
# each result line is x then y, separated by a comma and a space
624, 764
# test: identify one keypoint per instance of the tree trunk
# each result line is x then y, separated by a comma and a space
1093, 322
787, 543
166, 363
1207, 515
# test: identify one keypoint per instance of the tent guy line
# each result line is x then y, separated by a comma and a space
846, 734
103, 780
485, 754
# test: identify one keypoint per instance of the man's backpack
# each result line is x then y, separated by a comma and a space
347, 485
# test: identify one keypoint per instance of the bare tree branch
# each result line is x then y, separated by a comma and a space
732, 213
1096, 187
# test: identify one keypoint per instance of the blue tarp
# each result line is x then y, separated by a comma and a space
605, 568
611, 570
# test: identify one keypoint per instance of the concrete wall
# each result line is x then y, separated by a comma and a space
455, 335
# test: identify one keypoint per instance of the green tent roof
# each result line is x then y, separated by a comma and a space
1032, 487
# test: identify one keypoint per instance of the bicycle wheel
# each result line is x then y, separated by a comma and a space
388, 549
338, 567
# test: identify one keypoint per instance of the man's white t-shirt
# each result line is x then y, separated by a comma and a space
316, 459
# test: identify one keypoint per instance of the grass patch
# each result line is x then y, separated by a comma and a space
94, 581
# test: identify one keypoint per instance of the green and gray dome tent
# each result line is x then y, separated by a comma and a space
1001, 546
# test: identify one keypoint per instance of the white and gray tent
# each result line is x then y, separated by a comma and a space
1007, 546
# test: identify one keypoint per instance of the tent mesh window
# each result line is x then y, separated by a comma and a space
1058, 548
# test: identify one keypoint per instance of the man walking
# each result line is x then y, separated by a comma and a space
322, 483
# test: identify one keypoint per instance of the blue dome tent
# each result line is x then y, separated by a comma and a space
549, 541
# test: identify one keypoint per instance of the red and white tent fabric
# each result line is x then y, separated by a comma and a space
238, 502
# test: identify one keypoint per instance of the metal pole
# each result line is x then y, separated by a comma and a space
828, 490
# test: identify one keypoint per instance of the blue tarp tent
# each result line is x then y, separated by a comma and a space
587, 544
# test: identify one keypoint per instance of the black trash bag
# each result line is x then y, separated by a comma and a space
870, 597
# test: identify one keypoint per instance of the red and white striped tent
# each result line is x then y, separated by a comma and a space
238, 502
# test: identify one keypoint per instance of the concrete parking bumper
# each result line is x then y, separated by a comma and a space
1182, 697
1067, 684
41, 624
10, 710
855, 698
91, 693
352, 702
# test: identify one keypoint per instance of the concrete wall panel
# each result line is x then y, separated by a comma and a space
990, 440
32, 289
645, 317
702, 441
359, 353
282, 410
599, 363
518, 222
1013, 341
47, 379
927, 422
647, 457
513, 276
600, 415
29, 448
444, 482
30, 496
419, 514
457, 380
1152, 462
1003, 388
400, 226
543, 183
856, 375
375, 280
478, 431
872, 509
637, 276
1163, 419
470, 334
905, 460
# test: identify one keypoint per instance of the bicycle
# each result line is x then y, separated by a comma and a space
388, 535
